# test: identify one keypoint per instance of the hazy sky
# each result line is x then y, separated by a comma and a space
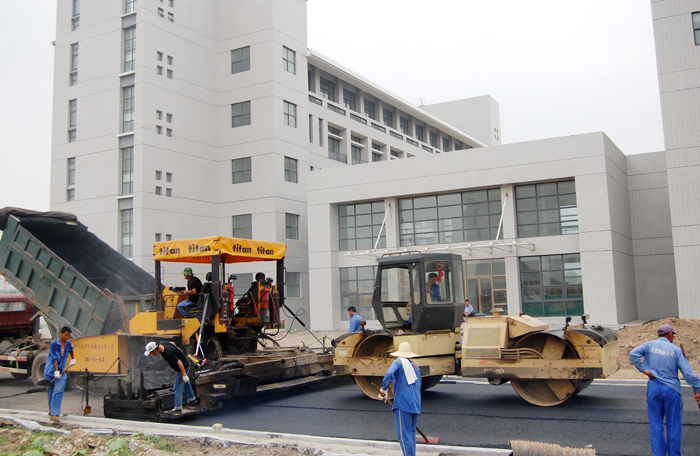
556, 68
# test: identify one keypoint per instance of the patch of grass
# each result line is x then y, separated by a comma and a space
160, 443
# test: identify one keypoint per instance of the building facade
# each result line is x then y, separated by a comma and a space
175, 120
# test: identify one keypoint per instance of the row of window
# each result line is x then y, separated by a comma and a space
242, 170
357, 145
545, 209
243, 226
240, 60
241, 116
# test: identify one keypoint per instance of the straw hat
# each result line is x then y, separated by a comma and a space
404, 351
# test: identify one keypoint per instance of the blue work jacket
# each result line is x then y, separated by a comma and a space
355, 323
406, 397
664, 360
55, 355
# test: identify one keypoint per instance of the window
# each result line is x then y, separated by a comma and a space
159, 70
159, 175
242, 170
73, 64
446, 144
369, 110
168, 177
333, 131
290, 114
127, 171
159, 130
360, 224
171, 3
70, 165
130, 6
159, 56
696, 27
311, 128
170, 74
356, 289
289, 60
240, 60
293, 283
486, 285
291, 226
241, 114
450, 218
168, 192
320, 132
394, 153
127, 244
349, 99
376, 146
129, 48
356, 155
168, 132
552, 286
547, 209
128, 109
169, 118
458, 145
170, 60
171, 17
419, 133
433, 139
70, 194
157, 237
159, 190
334, 150
290, 170
376, 157
72, 119
388, 118
243, 226
356, 139
161, 12
159, 115
403, 124
328, 89
75, 21
168, 237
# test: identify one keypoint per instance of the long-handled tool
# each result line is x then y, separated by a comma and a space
49, 383
423, 438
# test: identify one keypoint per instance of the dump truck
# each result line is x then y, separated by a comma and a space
545, 367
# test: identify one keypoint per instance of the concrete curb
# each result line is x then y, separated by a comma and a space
330, 446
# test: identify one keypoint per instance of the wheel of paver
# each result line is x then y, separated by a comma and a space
552, 391
374, 346
38, 367
430, 381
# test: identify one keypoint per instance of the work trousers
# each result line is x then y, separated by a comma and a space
55, 395
406, 431
663, 401
179, 387
182, 307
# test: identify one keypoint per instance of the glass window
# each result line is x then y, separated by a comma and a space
360, 224
169, 118
551, 285
696, 27
450, 218
403, 124
388, 118
446, 144
369, 110
433, 139
328, 89
290, 114
240, 60
349, 99
170, 60
159, 175
169, 74
129, 48
291, 226
73, 64
128, 109
159, 190
242, 170
70, 194
168, 177
293, 284
127, 171
419, 133
357, 289
546, 209
438, 282
356, 155
130, 6
289, 60
243, 226
241, 114
334, 150
486, 285
376, 157
71, 171
395, 285
171, 16
290, 170
168, 192
72, 120
333, 130
127, 231
75, 21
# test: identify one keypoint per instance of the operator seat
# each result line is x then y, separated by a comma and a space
194, 311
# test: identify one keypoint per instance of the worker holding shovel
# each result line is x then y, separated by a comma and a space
55, 371
406, 377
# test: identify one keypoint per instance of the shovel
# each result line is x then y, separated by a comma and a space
423, 438
49, 383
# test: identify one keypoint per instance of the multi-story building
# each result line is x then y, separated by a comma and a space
175, 120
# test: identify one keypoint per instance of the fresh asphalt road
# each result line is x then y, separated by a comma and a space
611, 418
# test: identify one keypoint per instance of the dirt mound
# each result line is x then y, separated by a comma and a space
688, 335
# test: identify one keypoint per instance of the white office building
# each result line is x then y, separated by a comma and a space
176, 120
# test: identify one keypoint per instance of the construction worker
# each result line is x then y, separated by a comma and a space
177, 360
194, 286
406, 377
355, 320
54, 371
662, 361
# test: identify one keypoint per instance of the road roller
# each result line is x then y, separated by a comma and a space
419, 298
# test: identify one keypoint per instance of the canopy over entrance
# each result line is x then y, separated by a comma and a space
229, 250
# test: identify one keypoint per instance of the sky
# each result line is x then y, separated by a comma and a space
556, 68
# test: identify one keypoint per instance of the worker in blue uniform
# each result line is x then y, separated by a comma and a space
662, 361
406, 377
54, 370
355, 320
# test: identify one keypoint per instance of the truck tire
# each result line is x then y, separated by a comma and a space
38, 367
19, 376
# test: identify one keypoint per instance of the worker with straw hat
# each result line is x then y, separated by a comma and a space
406, 377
